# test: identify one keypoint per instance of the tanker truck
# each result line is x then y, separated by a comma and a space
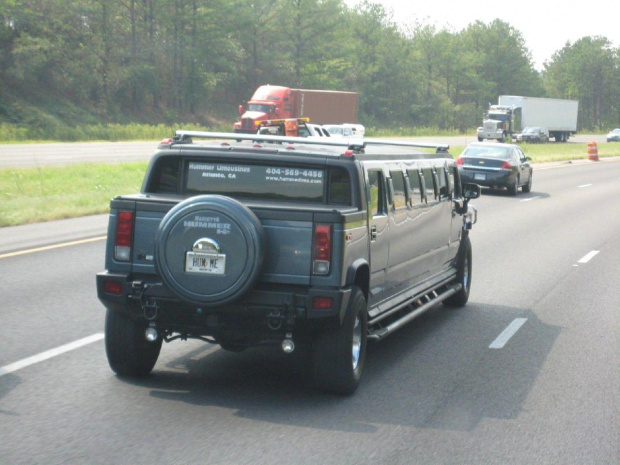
513, 113
280, 103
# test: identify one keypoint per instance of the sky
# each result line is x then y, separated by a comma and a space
546, 25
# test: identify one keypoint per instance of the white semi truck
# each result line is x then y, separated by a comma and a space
513, 113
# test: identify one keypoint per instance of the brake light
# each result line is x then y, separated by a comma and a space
506, 166
113, 287
167, 141
322, 249
122, 238
459, 161
322, 303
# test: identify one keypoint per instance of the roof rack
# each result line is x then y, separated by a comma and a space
354, 144
424, 145
181, 135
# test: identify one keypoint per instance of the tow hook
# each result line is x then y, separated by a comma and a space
150, 309
149, 305
275, 320
288, 346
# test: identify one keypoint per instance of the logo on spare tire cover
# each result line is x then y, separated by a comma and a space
209, 250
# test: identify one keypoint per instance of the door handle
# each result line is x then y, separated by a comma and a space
373, 233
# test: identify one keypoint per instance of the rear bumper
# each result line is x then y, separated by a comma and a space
488, 178
131, 295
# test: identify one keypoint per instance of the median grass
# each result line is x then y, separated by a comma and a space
31, 195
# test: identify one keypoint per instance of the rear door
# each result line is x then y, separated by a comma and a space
379, 230
524, 166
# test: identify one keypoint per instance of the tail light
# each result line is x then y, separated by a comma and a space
123, 236
113, 287
322, 249
506, 166
459, 161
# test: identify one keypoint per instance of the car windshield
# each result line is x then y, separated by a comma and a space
335, 130
487, 151
530, 130
261, 108
498, 116
616, 131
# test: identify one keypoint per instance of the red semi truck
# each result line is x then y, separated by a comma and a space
277, 102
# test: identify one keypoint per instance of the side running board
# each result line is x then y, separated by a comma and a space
400, 316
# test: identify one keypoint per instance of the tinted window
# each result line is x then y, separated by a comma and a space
166, 176
269, 182
416, 188
454, 181
398, 182
442, 184
339, 187
429, 182
491, 151
376, 192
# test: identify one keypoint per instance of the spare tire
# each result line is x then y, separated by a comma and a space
209, 250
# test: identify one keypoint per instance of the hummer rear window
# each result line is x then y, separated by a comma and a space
268, 182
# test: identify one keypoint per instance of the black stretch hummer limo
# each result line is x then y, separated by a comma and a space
246, 240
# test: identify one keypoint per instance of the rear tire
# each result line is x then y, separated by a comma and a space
513, 189
463, 276
339, 354
128, 351
528, 187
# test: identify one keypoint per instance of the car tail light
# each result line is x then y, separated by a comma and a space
459, 161
506, 166
322, 303
122, 238
113, 287
322, 249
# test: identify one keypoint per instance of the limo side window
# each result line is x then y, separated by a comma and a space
376, 192
429, 184
398, 182
454, 182
442, 184
416, 187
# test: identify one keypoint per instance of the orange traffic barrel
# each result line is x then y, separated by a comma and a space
592, 151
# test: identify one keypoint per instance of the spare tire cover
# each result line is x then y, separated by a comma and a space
209, 249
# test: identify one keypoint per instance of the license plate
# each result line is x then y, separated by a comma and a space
480, 176
206, 263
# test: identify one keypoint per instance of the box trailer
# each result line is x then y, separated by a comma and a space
513, 113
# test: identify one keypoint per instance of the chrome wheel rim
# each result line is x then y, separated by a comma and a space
356, 346
465, 272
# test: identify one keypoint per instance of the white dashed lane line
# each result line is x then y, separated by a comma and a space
26, 362
510, 331
587, 257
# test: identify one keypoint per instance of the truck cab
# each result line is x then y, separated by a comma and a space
267, 103
499, 123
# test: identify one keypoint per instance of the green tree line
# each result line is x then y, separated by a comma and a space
154, 61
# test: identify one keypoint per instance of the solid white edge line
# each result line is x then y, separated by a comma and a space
505, 336
584, 185
587, 257
5, 370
